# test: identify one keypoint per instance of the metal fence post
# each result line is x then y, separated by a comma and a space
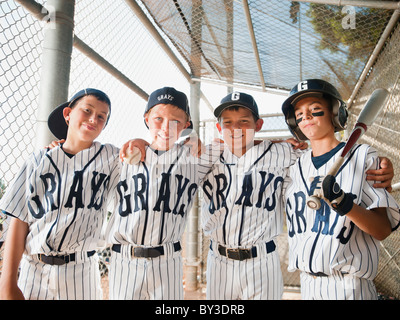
192, 261
56, 63
192, 238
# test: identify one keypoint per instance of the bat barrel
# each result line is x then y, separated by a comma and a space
374, 105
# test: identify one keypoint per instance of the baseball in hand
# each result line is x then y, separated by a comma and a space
133, 157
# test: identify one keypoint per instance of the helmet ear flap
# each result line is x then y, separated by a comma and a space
298, 134
293, 126
343, 114
340, 115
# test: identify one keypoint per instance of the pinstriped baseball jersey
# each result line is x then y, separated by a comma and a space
243, 196
323, 241
63, 200
153, 201
154, 197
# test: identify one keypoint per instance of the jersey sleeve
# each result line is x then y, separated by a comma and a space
14, 202
292, 154
208, 158
115, 166
115, 172
287, 182
379, 197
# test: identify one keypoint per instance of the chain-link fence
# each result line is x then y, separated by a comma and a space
21, 38
384, 135
295, 40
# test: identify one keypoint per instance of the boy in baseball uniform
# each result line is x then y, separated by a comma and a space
58, 203
336, 247
242, 211
153, 201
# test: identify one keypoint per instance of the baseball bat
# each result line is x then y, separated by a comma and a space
367, 116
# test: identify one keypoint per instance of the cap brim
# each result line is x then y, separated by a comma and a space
223, 106
300, 96
56, 122
288, 103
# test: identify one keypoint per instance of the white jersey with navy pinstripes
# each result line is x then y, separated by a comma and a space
243, 196
63, 199
323, 241
154, 197
153, 202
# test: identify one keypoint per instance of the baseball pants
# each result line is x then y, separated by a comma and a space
336, 287
159, 278
258, 278
75, 280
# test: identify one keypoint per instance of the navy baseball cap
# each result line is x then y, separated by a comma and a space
56, 121
238, 99
169, 95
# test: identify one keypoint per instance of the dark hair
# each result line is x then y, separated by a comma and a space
236, 108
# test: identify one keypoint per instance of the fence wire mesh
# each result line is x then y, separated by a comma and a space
20, 66
295, 40
384, 135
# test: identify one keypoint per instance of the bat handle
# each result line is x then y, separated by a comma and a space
336, 166
313, 202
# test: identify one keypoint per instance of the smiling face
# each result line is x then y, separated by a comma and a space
86, 119
238, 127
314, 118
166, 122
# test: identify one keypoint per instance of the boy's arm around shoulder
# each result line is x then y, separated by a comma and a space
383, 176
209, 156
127, 148
291, 149
296, 145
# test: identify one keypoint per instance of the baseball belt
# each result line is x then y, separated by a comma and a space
318, 274
321, 274
60, 260
142, 252
243, 254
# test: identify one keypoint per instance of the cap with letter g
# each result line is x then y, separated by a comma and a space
169, 95
237, 99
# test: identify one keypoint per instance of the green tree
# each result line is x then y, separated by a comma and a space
3, 187
359, 41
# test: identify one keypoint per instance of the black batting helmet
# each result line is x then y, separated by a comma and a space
314, 87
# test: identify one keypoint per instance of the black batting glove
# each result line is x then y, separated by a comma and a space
340, 201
